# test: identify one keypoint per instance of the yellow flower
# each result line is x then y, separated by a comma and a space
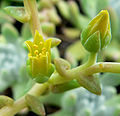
39, 55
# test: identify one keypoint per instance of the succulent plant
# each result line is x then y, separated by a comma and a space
80, 102
12, 57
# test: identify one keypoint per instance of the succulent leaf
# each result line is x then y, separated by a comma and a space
18, 13
35, 105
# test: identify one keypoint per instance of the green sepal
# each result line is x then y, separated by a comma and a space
106, 40
84, 35
18, 13
5, 101
51, 69
91, 83
64, 87
28, 69
40, 78
35, 105
92, 44
54, 53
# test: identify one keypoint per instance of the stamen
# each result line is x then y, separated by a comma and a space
41, 43
36, 52
35, 46
40, 54
44, 49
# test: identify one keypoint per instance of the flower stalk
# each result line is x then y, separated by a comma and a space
31, 9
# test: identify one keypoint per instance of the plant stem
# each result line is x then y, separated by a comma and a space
91, 60
20, 104
102, 67
71, 74
31, 9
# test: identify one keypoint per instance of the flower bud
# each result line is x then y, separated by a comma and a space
97, 35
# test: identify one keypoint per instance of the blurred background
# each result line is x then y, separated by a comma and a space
63, 19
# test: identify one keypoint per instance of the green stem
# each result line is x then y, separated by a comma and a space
20, 104
70, 74
102, 67
31, 8
91, 60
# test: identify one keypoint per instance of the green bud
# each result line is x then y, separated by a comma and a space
18, 13
97, 35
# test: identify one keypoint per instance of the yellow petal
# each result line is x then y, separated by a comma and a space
100, 22
48, 44
38, 38
43, 64
35, 66
30, 46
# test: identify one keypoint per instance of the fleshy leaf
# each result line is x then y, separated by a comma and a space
61, 66
10, 32
18, 13
55, 41
64, 87
35, 105
91, 83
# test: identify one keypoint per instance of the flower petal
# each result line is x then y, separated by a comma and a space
38, 38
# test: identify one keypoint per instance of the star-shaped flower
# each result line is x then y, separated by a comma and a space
39, 55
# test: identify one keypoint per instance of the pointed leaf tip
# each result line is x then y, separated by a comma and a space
18, 13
